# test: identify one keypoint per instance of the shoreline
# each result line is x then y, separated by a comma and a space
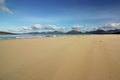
60, 36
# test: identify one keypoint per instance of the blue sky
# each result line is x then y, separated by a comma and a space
16, 14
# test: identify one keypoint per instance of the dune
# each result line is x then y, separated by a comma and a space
62, 58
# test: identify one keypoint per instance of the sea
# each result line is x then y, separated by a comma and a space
30, 36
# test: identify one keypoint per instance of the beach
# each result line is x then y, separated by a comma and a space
92, 57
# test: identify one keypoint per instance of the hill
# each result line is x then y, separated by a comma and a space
5, 33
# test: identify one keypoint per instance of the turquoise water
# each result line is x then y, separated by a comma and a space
29, 36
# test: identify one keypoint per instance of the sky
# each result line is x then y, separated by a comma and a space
23, 15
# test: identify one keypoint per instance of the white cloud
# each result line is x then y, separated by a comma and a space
33, 27
4, 8
77, 27
54, 27
49, 27
36, 27
24, 28
2, 1
110, 26
41, 28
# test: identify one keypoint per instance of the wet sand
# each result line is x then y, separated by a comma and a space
62, 58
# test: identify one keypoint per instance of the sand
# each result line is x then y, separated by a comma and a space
62, 58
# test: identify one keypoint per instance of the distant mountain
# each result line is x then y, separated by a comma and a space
116, 31
54, 32
5, 33
96, 32
74, 32
33, 33
99, 31
113, 31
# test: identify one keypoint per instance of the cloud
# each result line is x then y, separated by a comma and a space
4, 8
77, 27
42, 28
54, 27
110, 26
25, 28
50, 27
33, 27
2, 1
36, 27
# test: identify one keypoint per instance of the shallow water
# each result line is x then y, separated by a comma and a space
29, 36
